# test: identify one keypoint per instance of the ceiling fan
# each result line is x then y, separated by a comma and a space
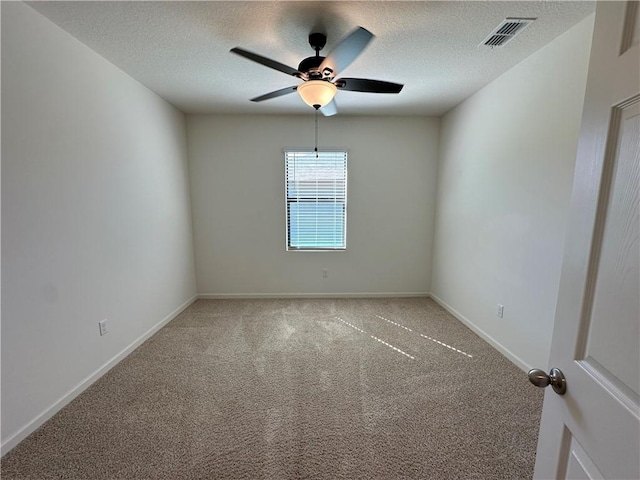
319, 73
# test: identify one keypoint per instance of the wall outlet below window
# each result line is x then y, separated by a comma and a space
500, 311
325, 273
103, 327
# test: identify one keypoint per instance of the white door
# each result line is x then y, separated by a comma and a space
593, 431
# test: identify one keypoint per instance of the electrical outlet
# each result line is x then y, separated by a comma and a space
325, 273
500, 311
103, 327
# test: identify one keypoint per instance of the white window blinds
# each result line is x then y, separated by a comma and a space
316, 200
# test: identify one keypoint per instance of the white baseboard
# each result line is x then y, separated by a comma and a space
216, 296
34, 424
517, 361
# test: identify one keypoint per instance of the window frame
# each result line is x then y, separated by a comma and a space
287, 201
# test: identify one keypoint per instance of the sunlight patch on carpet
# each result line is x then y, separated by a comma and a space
425, 336
377, 339
445, 345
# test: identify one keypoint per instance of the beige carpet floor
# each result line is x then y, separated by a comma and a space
297, 388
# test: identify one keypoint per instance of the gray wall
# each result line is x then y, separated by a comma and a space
236, 165
506, 163
96, 219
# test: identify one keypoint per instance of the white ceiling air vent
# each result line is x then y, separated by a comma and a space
504, 32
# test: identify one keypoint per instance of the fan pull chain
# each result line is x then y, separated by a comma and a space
316, 147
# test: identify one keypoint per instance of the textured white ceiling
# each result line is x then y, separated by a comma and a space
180, 49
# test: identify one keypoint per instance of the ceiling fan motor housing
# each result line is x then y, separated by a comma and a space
310, 66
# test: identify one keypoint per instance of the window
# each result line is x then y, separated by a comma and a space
316, 196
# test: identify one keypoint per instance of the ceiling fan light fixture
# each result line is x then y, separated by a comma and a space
317, 93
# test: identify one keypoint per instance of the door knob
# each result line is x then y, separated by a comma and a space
555, 378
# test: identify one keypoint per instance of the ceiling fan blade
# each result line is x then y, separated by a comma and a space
267, 62
329, 109
277, 93
347, 50
366, 85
